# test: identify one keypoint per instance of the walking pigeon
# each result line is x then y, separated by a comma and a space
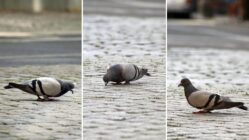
43, 86
124, 72
206, 101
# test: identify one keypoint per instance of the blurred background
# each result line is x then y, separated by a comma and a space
138, 8
37, 6
34, 32
238, 9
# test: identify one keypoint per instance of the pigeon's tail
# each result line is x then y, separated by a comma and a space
242, 106
229, 104
12, 85
8, 87
239, 105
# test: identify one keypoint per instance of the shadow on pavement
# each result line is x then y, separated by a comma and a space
35, 100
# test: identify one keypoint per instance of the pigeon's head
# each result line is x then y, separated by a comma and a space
185, 82
106, 79
145, 71
69, 86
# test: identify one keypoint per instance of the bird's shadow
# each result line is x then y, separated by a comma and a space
34, 100
125, 85
218, 114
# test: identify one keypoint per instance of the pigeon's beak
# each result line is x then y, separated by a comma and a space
106, 83
71, 91
147, 74
180, 85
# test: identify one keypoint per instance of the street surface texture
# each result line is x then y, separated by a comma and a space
135, 111
215, 58
135, 8
22, 117
38, 51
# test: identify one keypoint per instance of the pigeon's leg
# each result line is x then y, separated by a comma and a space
118, 83
202, 111
46, 98
127, 82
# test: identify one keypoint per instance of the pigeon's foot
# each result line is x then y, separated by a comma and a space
127, 83
202, 112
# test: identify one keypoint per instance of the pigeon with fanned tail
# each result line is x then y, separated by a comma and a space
124, 72
206, 101
45, 87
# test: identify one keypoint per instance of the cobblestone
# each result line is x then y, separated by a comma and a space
22, 117
221, 71
135, 111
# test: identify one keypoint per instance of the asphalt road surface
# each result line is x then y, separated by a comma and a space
137, 8
205, 34
40, 51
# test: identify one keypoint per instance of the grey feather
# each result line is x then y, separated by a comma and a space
124, 72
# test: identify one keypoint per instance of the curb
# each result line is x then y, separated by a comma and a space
41, 34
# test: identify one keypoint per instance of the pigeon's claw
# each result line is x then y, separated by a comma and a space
72, 91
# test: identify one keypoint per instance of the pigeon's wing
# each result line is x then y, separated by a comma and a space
48, 86
130, 72
203, 99
210, 101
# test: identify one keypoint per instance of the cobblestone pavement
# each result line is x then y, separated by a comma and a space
22, 117
221, 71
135, 111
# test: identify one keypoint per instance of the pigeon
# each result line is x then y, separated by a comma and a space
44, 86
124, 72
206, 101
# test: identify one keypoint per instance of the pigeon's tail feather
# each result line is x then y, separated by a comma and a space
229, 104
239, 105
8, 87
243, 107
14, 85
